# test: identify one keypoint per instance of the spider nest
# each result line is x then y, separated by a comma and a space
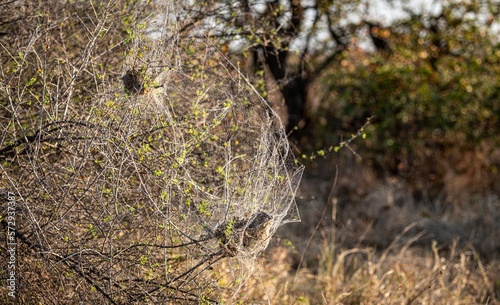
247, 235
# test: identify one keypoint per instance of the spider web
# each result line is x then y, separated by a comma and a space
232, 161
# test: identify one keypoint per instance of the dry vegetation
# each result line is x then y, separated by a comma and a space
359, 276
387, 247
166, 189
131, 193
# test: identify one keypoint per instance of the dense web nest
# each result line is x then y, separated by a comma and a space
234, 174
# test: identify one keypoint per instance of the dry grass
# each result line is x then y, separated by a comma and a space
374, 242
365, 276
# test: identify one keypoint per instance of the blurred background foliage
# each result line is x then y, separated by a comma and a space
425, 73
440, 77
432, 91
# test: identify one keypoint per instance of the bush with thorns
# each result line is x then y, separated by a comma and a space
130, 193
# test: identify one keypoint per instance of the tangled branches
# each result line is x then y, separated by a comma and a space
116, 192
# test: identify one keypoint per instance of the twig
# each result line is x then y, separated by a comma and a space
316, 228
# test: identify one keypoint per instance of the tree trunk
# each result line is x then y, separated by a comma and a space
292, 86
295, 95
